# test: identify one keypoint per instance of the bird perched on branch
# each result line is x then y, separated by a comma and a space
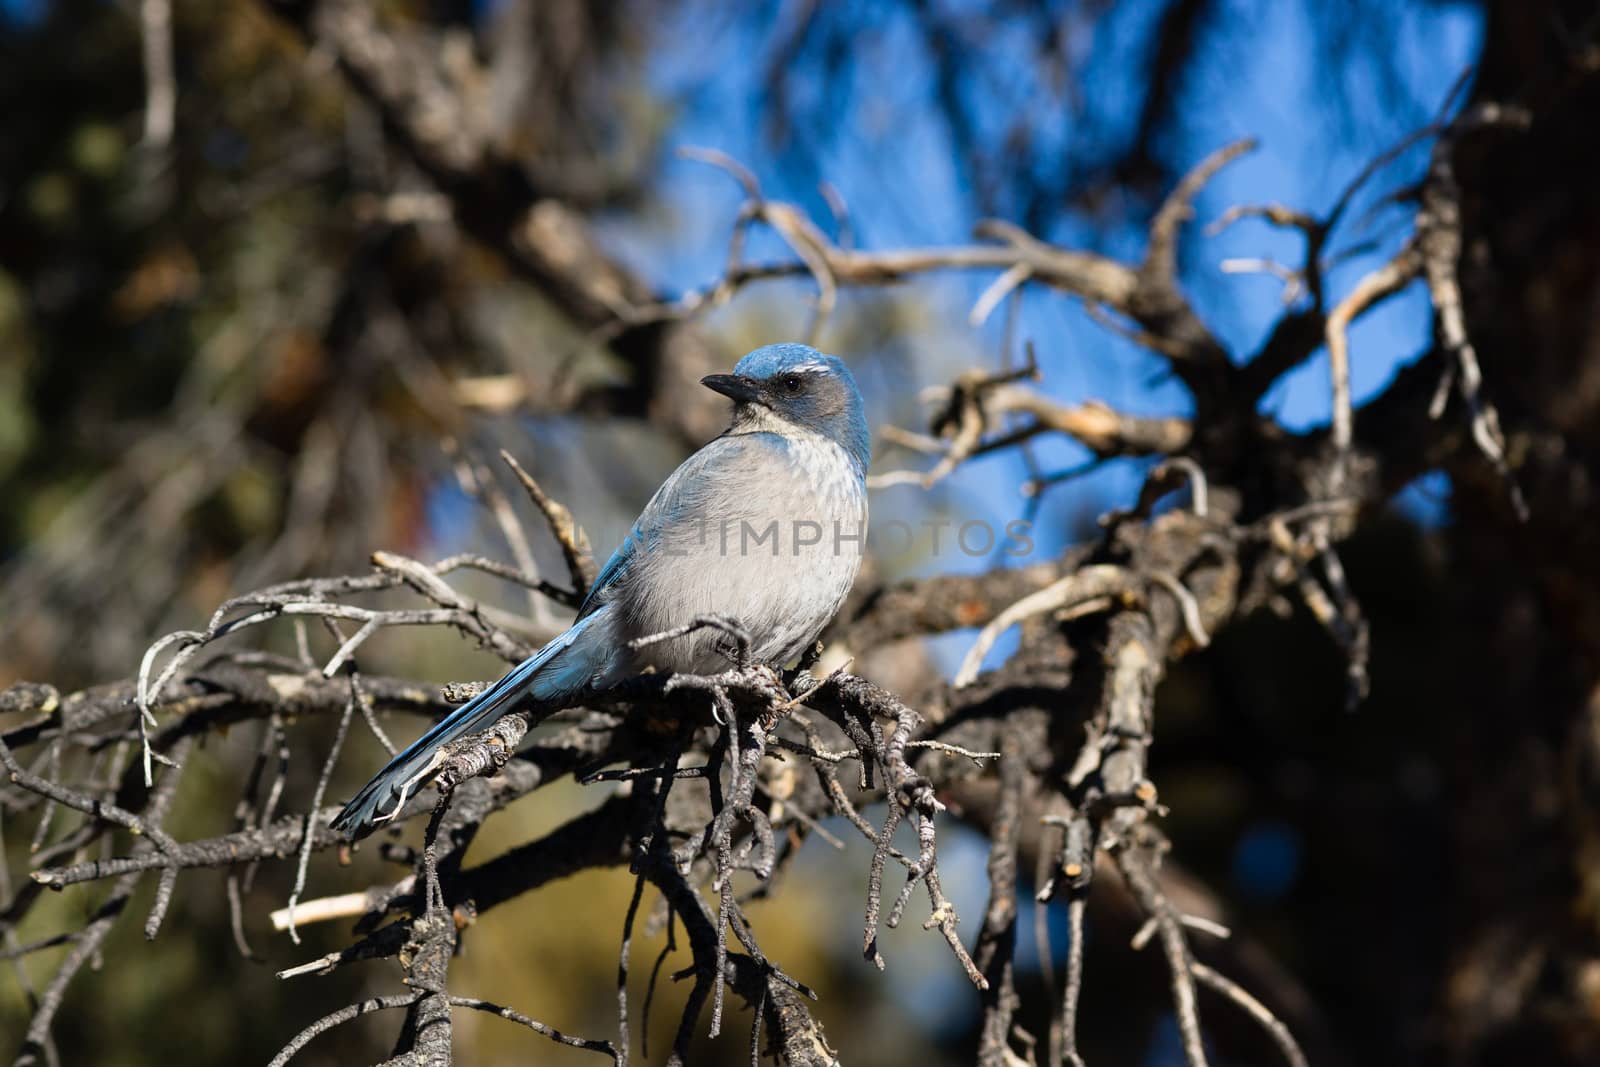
764, 525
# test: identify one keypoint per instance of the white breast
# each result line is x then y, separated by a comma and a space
777, 547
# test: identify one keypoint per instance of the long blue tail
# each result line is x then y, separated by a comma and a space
541, 676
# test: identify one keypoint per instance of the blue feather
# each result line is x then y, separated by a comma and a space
611, 573
544, 676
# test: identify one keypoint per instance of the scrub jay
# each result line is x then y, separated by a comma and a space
765, 524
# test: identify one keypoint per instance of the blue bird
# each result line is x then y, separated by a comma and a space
765, 524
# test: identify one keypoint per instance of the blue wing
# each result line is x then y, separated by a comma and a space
611, 573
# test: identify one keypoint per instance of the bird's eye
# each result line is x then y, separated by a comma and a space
792, 383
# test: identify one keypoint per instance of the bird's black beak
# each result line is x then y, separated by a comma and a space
734, 386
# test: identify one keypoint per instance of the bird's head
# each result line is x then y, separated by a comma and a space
792, 388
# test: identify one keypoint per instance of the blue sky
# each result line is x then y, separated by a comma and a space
896, 168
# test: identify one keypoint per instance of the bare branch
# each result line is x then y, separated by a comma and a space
1382, 283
